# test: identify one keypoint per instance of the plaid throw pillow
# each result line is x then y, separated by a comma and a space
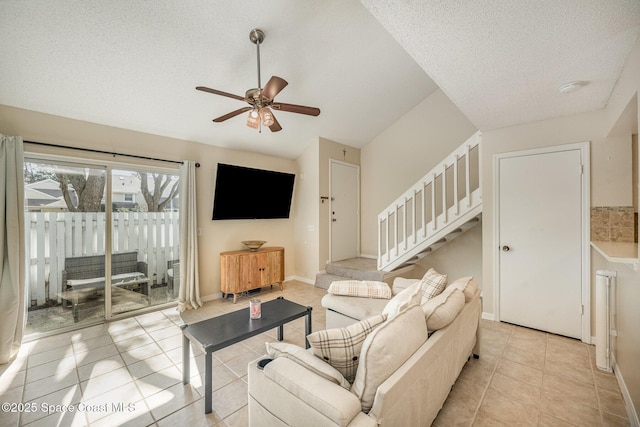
360, 288
432, 284
340, 347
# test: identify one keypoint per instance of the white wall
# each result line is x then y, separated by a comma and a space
403, 153
307, 219
459, 258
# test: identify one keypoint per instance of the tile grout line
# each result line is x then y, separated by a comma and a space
493, 371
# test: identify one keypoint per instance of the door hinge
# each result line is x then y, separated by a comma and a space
581, 169
582, 309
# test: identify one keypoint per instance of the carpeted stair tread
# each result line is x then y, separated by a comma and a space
356, 269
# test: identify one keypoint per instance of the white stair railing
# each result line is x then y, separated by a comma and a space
445, 198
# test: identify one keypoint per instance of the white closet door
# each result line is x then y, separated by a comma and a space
540, 241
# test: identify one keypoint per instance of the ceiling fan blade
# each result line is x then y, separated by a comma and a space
219, 92
232, 114
275, 127
273, 87
292, 108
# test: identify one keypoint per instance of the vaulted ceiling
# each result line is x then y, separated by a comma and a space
135, 64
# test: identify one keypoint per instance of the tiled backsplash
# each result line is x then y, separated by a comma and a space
613, 224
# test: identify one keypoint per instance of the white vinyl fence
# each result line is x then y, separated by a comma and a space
53, 236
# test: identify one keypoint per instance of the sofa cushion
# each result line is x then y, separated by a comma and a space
308, 360
356, 308
432, 284
403, 300
467, 285
385, 350
442, 309
360, 288
340, 347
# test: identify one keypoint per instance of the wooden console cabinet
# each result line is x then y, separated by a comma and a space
241, 271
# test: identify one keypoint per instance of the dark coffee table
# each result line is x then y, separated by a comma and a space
222, 331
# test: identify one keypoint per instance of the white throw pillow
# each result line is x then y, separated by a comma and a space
360, 288
403, 300
306, 358
401, 283
468, 285
432, 284
443, 309
385, 350
340, 347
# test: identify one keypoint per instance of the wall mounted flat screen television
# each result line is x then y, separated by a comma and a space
247, 193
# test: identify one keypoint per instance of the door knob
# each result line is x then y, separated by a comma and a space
506, 248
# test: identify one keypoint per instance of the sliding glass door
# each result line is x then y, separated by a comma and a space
65, 239
144, 206
84, 220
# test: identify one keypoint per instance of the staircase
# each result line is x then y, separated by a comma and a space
442, 205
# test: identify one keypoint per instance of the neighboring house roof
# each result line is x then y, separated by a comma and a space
35, 198
52, 188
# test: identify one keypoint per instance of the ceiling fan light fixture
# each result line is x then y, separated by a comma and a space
267, 116
253, 120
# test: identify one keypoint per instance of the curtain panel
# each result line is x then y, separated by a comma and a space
12, 247
189, 293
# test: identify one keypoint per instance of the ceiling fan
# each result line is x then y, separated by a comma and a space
261, 100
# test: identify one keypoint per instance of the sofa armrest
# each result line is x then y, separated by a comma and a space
142, 267
293, 393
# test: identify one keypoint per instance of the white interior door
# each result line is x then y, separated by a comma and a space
345, 222
540, 214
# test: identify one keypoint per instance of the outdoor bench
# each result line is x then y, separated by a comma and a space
83, 277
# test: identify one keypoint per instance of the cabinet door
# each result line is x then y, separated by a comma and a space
230, 279
273, 269
250, 271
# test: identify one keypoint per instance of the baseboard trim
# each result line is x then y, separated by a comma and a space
301, 279
211, 297
218, 295
488, 316
628, 403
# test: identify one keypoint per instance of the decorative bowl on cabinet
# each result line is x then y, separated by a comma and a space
254, 245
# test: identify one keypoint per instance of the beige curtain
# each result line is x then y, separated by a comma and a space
12, 248
189, 294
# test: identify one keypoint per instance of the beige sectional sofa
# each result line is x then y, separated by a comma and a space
404, 374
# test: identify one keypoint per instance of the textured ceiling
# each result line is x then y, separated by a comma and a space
502, 61
134, 64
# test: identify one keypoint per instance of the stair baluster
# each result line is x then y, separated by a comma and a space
399, 239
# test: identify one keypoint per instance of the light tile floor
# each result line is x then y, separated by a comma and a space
128, 372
